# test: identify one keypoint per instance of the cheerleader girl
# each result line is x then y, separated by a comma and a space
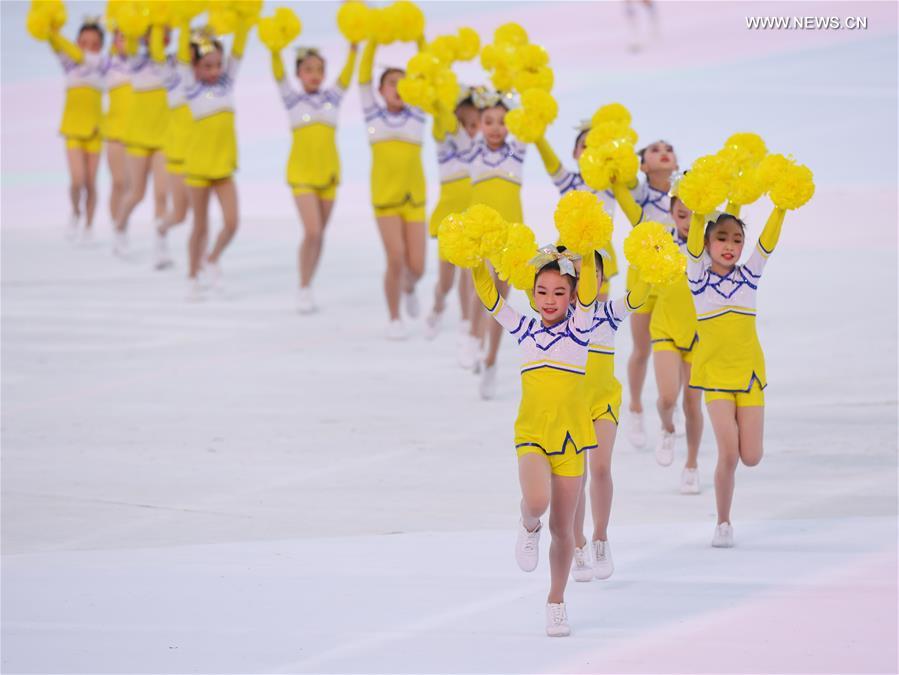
83, 67
117, 78
211, 157
566, 181
453, 162
496, 166
673, 336
145, 132
657, 162
603, 392
313, 169
395, 132
174, 149
729, 365
553, 427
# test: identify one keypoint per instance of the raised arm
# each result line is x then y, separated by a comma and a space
64, 47
771, 234
184, 44
507, 317
157, 43
277, 66
240, 39
550, 160
628, 204
696, 237
366, 64
346, 75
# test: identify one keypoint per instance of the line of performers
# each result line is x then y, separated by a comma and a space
171, 114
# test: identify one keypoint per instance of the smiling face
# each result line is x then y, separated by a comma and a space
553, 293
493, 126
311, 72
658, 157
724, 242
580, 144
681, 216
90, 40
388, 90
469, 118
208, 68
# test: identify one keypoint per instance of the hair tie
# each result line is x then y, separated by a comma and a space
550, 254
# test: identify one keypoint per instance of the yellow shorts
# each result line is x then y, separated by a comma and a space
613, 408
408, 211
568, 463
742, 399
667, 345
202, 181
92, 144
175, 167
327, 193
140, 151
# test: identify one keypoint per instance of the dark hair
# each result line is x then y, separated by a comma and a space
94, 27
643, 150
597, 257
722, 218
387, 72
195, 50
465, 102
311, 54
577, 139
554, 267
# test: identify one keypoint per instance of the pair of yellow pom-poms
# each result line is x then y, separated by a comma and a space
280, 29
609, 155
402, 20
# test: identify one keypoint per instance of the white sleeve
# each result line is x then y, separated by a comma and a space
233, 66
288, 93
756, 263
367, 97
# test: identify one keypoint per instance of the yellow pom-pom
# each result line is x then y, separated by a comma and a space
510, 33
531, 57
706, 185
604, 132
182, 11
582, 222
446, 88
469, 44
279, 30
540, 104
486, 228
39, 25
749, 148
408, 19
611, 112
793, 188
445, 48
746, 189
511, 262
160, 13
542, 78
412, 91
382, 28
770, 170
354, 20
133, 20
289, 22
490, 57
524, 126
223, 20
651, 250
611, 161
454, 245
248, 10
423, 64
502, 79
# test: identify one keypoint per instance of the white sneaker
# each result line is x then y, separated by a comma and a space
724, 536
432, 325
212, 273
602, 560
581, 565
120, 243
72, 228
195, 290
469, 352
305, 301
689, 482
527, 547
163, 259
680, 428
488, 382
557, 620
635, 432
410, 300
665, 448
87, 236
396, 330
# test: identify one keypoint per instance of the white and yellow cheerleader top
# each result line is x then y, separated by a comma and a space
454, 155
554, 413
728, 356
116, 71
320, 107
566, 181
178, 77
407, 125
505, 163
656, 204
83, 107
147, 73
608, 317
206, 100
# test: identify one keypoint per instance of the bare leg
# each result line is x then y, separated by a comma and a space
138, 172
668, 380
639, 358
180, 203
415, 236
77, 177
565, 493
92, 160
311, 213
199, 203
692, 417
445, 277
391, 229
601, 478
724, 422
751, 425
465, 291
160, 186
226, 191
118, 170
